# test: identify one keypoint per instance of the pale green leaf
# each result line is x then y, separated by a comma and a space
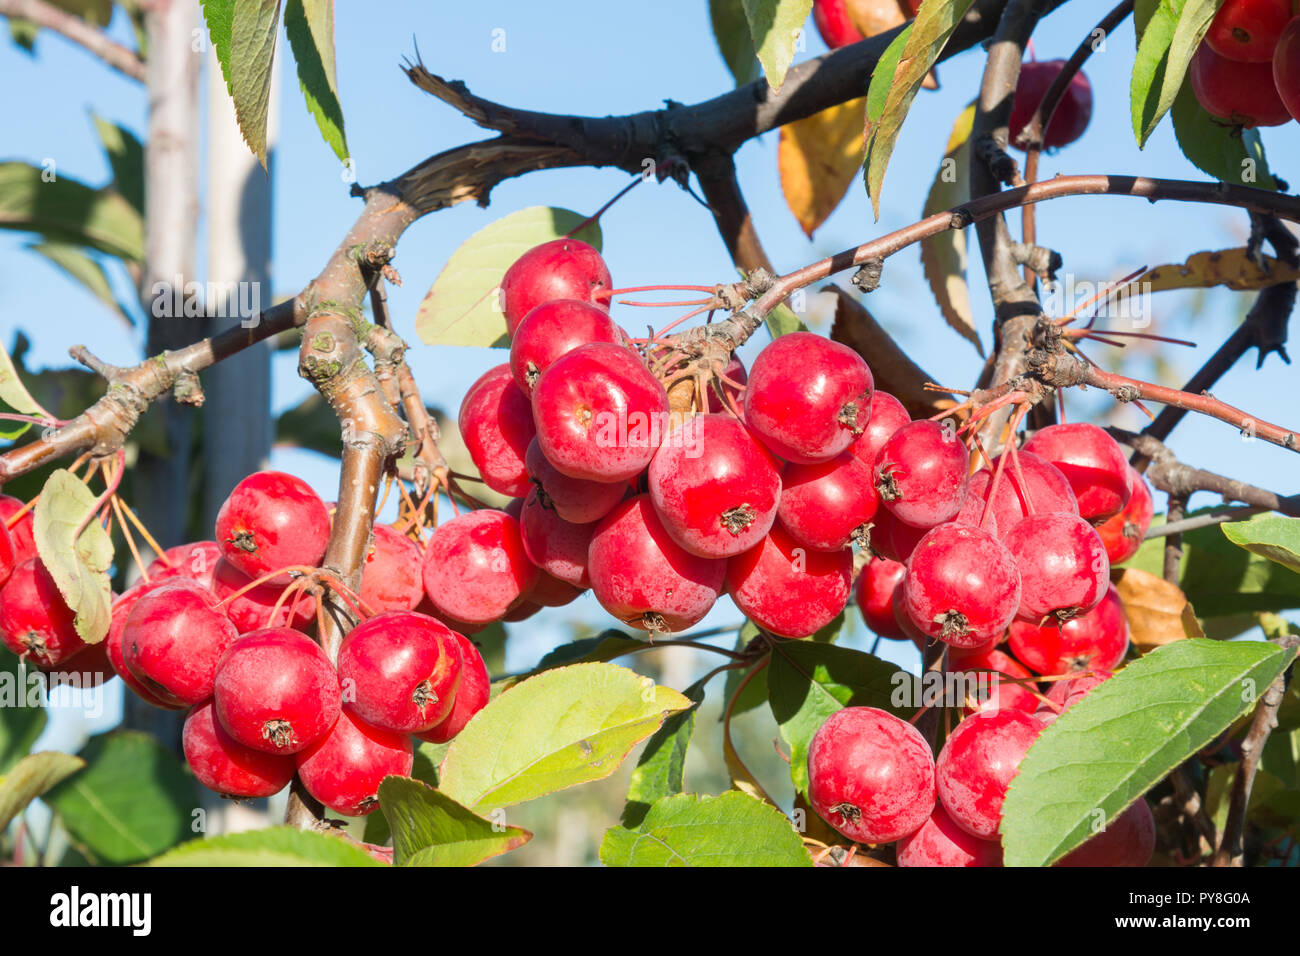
1225, 152
243, 34
309, 24
1168, 40
774, 28
30, 778
126, 156
731, 32
14, 394
79, 566
274, 846
661, 770
431, 829
43, 200
1270, 535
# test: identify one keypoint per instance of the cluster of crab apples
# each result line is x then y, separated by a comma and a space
1246, 70
223, 629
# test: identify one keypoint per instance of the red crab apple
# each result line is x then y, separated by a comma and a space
553, 329
827, 505
1097, 639
344, 768
833, 23
471, 696
600, 413
870, 775
978, 762
1122, 534
1038, 485
576, 500
560, 269
1286, 68
962, 586
496, 422
390, 577
197, 561
272, 521
1004, 693
808, 398
8, 555
714, 487
558, 547
887, 416
788, 589
399, 671
1092, 463
475, 567
1064, 694
35, 622
21, 528
1128, 840
643, 577
1248, 30
922, 474
1243, 94
121, 609
875, 589
174, 638
940, 842
1062, 564
1072, 112
226, 766
251, 610
276, 691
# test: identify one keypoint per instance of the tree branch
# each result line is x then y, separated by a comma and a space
77, 30
717, 175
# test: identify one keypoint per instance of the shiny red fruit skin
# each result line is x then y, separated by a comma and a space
922, 474
714, 486
828, 505
600, 414
390, 578
735, 371
1128, 840
1122, 534
344, 768
962, 586
1072, 113
978, 762
549, 591
1243, 94
174, 638
833, 23
224, 765
35, 622
1045, 488
251, 611
576, 500
472, 696
553, 329
197, 561
875, 589
1248, 30
496, 422
887, 416
476, 568
870, 775
399, 671
113, 644
643, 577
1004, 694
1063, 567
8, 555
808, 397
787, 589
1064, 694
22, 529
89, 667
276, 691
1097, 639
940, 842
1286, 68
913, 633
1092, 462
270, 521
558, 547
559, 269
892, 539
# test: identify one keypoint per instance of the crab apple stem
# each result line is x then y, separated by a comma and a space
1080, 333
1016, 417
1019, 477
595, 217
144, 533
360, 608
257, 582
32, 420
610, 293
112, 478
672, 325
116, 502
295, 588
1110, 289
666, 305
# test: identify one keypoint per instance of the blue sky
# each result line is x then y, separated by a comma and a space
606, 58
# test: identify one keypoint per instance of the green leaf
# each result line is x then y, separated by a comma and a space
133, 800
30, 778
808, 681
14, 394
732, 829
782, 321
661, 771
126, 157
925, 40
755, 692
1229, 583
39, 200
1126, 736
309, 25
463, 307
1273, 536
774, 27
243, 34
943, 256
557, 729
23, 34
274, 846
431, 829
1165, 49
85, 270
731, 31
79, 566
22, 717
1225, 152
425, 770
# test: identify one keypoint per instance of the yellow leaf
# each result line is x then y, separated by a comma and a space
943, 256
818, 158
1158, 612
1228, 267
